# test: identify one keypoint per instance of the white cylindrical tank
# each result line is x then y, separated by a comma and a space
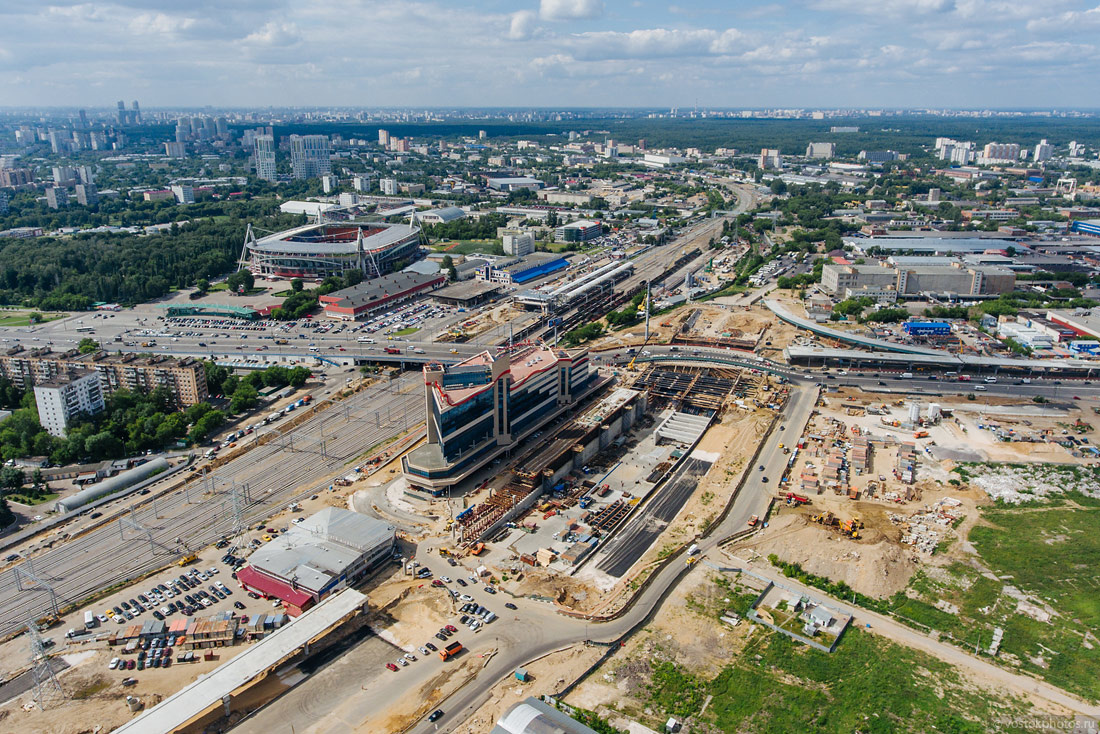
933, 411
914, 412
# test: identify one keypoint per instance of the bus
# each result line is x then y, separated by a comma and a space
85, 329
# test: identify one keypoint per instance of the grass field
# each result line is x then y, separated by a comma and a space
1050, 551
23, 318
469, 247
407, 331
778, 686
31, 501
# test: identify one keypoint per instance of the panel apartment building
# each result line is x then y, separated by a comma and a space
845, 281
184, 378
486, 405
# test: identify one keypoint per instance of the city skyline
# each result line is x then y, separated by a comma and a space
583, 53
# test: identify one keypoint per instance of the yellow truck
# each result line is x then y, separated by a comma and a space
189, 558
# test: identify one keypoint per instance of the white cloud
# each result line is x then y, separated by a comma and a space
570, 9
522, 25
1071, 19
885, 7
274, 34
652, 43
160, 23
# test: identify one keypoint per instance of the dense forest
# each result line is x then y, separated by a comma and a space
73, 272
903, 133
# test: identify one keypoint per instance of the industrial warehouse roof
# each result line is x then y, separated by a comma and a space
174, 712
320, 548
378, 289
446, 214
466, 290
929, 244
532, 716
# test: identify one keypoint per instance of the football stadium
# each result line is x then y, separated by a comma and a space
321, 250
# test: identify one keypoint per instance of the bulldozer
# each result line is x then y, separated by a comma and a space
851, 528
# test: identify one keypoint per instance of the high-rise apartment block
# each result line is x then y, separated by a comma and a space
184, 193
176, 149
329, 183
389, 186
185, 379
56, 197
1000, 153
87, 194
821, 150
383, 138
67, 396
309, 156
1043, 151
64, 175
265, 157
770, 158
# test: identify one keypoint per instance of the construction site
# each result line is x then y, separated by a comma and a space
870, 496
583, 510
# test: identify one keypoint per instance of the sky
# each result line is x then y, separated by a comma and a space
552, 53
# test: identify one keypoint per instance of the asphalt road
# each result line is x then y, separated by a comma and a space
633, 539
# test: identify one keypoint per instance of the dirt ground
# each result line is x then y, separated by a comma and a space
547, 675
100, 698
678, 633
880, 562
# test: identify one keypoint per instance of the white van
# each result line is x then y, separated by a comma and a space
90, 621
980, 388
907, 375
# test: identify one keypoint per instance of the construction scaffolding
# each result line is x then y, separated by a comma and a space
690, 389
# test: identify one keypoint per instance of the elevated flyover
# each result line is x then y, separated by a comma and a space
844, 336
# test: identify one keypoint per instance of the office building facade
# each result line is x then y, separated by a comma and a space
486, 405
841, 280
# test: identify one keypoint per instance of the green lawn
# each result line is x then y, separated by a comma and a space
469, 247
779, 686
223, 286
27, 500
23, 318
1052, 553
407, 331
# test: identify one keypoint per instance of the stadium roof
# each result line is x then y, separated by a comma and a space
390, 234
